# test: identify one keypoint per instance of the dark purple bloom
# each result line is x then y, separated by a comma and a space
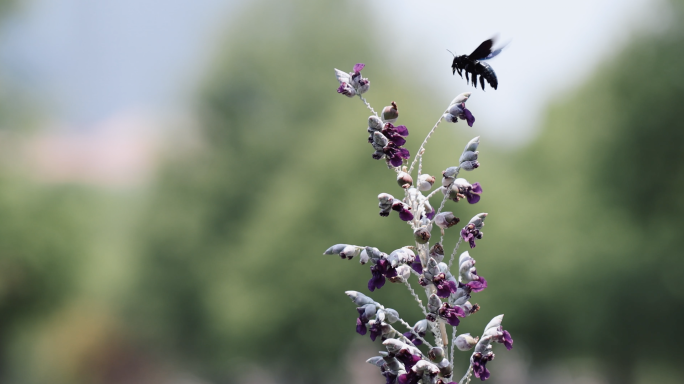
346, 89
480, 365
360, 327
408, 359
417, 266
415, 340
403, 209
378, 279
505, 339
444, 287
375, 330
395, 154
390, 377
467, 116
383, 269
451, 314
477, 285
395, 134
409, 377
431, 215
473, 195
469, 233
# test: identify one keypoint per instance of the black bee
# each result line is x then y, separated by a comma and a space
475, 65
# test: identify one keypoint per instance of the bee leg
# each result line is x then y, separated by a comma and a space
475, 79
482, 81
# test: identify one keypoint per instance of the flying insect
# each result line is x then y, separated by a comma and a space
475, 65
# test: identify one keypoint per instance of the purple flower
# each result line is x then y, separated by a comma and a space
395, 154
346, 89
380, 271
479, 362
444, 287
504, 338
473, 195
414, 339
457, 110
360, 327
352, 83
390, 377
410, 377
375, 329
477, 285
469, 233
417, 265
451, 314
403, 209
408, 359
460, 189
395, 134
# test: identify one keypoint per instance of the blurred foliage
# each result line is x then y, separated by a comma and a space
582, 243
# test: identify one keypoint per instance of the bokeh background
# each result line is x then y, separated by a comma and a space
170, 173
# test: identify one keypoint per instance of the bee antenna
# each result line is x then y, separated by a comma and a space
451, 53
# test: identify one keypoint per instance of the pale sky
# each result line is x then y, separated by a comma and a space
91, 60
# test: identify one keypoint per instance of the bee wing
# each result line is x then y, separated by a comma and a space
483, 50
495, 53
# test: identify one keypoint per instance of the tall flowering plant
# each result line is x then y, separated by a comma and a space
447, 287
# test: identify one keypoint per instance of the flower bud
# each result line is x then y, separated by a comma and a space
350, 251
379, 141
478, 220
403, 274
465, 342
359, 298
378, 361
425, 182
450, 172
390, 113
392, 315
404, 179
434, 303
374, 124
494, 323
446, 220
469, 165
472, 145
422, 235
468, 156
436, 354
437, 252
394, 345
445, 369
363, 257
460, 99
335, 249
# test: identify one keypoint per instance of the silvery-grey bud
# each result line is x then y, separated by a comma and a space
378, 361
446, 220
390, 113
363, 257
369, 310
434, 303
374, 253
403, 274
425, 367
460, 99
422, 235
437, 252
425, 182
335, 249
404, 179
468, 156
421, 326
494, 323
450, 172
374, 124
445, 369
472, 145
436, 354
379, 141
465, 342
469, 165
478, 220
431, 269
359, 298
392, 315
394, 345
460, 297
350, 251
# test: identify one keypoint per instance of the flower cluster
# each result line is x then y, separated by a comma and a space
447, 295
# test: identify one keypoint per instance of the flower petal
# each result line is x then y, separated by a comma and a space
358, 67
